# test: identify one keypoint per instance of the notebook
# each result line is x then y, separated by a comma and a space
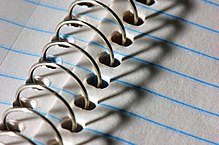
161, 89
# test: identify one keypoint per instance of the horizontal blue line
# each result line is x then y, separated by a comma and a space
159, 95
178, 18
12, 77
89, 129
81, 67
159, 39
66, 91
5, 103
48, 6
49, 115
33, 140
159, 124
211, 3
23, 26
59, 120
144, 7
135, 58
167, 69
150, 91
166, 97
37, 142
205, 140
108, 135
145, 119
177, 45
148, 35
19, 51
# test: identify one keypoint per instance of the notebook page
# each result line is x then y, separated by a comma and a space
165, 83
35, 32
12, 10
24, 33
164, 91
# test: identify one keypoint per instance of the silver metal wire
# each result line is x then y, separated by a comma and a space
43, 87
83, 23
74, 46
44, 62
54, 65
26, 110
94, 2
135, 11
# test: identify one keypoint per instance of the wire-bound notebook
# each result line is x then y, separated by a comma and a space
109, 72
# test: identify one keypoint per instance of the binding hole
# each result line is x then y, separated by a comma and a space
16, 126
67, 124
75, 25
86, 4
80, 102
116, 37
92, 80
128, 17
147, 2
105, 59
63, 46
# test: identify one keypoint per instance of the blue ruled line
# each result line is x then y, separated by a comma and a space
178, 18
140, 33
143, 118
144, 7
135, 58
166, 97
5, 103
48, 115
12, 77
89, 129
157, 38
159, 124
33, 140
211, 3
159, 95
37, 142
108, 135
59, 120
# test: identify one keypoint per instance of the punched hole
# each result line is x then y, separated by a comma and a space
80, 102
146, 2
16, 126
92, 80
67, 124
128, 17
105, 59
116, 37
86, 4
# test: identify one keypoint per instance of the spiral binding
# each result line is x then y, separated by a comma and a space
34, 83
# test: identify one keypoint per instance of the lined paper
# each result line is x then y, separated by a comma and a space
164, 91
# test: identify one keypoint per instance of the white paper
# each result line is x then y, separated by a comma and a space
165, 92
